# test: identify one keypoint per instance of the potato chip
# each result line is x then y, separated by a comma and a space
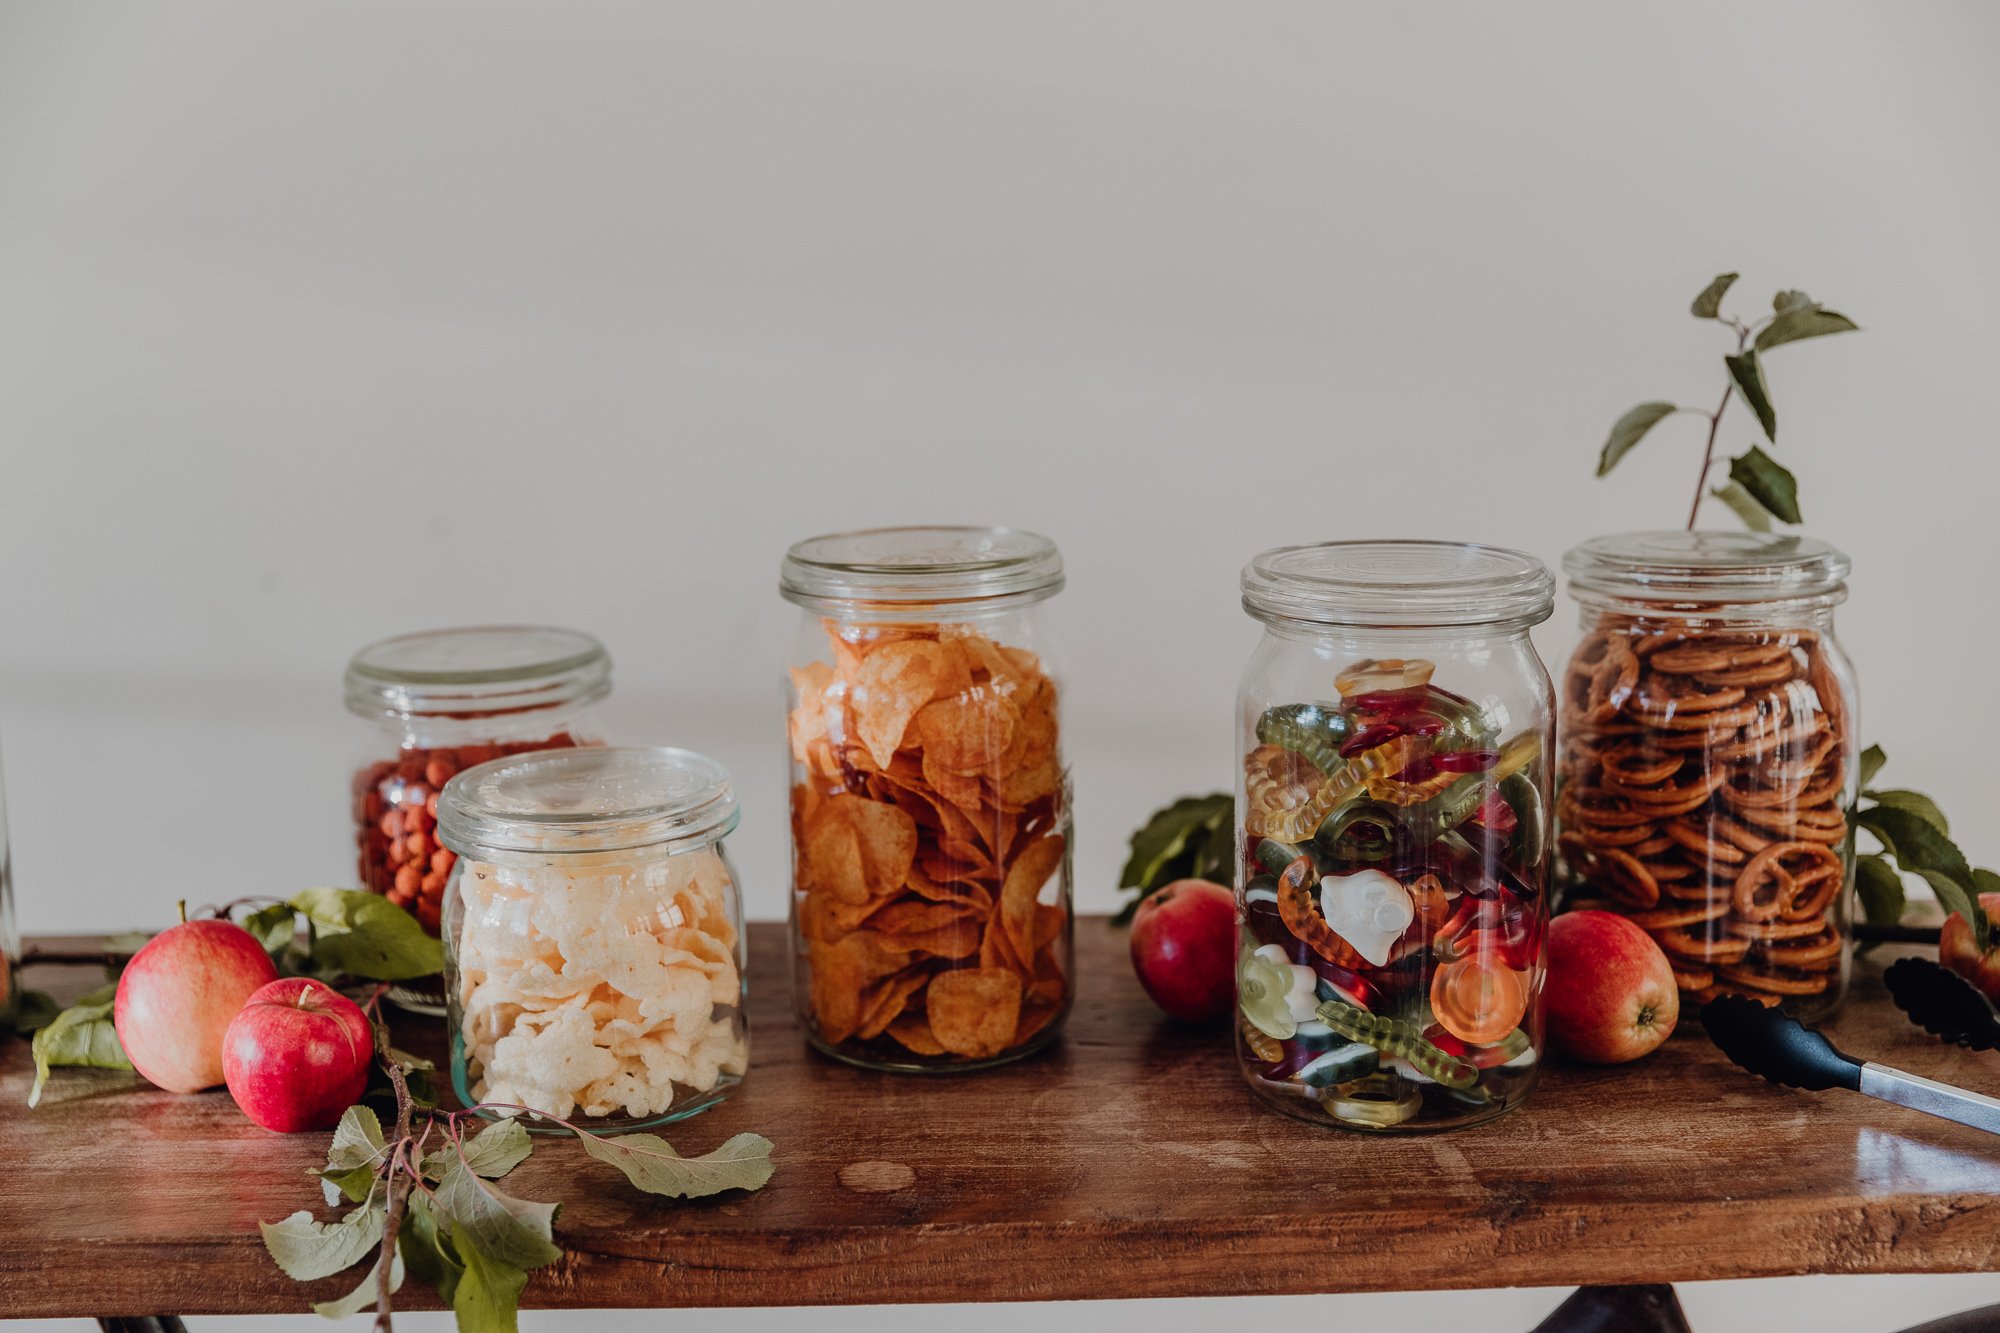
887, 837
973, 1011
890, 686
833, 856
914, 1032
1037, 861
886, 999
808, 720
968, 732
956, 939
841, 970
917, 917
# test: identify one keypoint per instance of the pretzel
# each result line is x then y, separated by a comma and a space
1705, 773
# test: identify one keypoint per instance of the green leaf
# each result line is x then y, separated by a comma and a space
367, 936
1749, 377
1872, 760
492, 1153
1755, 517
1809, 322
1880, 890
307, 1250
81, 1036
487, 1295
354, 1184
33, 1010
1918, 804
1709, 304
1166, 834
1768, 481
1216, 861
1628, 430
1920, 848
1985, 881
513, 1231
424, 1252
363, 1296
648, 1161
357, 1141
1787, 301
276, 928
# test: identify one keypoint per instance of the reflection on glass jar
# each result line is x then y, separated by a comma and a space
446, 700
594, 935
1396, 727
930, 806
1710, 761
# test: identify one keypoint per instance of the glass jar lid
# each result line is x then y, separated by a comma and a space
1708, 567
589, 799
477, 671
1398, 585
907, 568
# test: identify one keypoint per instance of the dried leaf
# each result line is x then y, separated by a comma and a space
1628, 430
648, 1161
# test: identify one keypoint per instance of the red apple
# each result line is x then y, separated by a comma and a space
1957, 952
1184, 949
297, 1055
1610, 995
177, 995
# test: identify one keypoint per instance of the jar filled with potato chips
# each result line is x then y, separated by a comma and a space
930, 805
594, 936
446, 700
1710, 760
1396, 729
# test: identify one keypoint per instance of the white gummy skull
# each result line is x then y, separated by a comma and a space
1368, 909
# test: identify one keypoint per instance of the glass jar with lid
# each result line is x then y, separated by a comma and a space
593, 936
446, 700
1710, 762
930, 912
1396, 729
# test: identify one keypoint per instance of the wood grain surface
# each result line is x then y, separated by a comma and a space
1126, 1161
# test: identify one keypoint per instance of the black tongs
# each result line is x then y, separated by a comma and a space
1943, 1003
1779, 1048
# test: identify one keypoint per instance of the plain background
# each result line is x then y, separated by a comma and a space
323, 322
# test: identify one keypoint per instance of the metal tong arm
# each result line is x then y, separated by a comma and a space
1930, 1097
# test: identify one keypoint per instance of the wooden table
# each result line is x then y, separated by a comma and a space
1127, 1161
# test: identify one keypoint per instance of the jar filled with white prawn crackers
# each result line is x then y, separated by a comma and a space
593, 936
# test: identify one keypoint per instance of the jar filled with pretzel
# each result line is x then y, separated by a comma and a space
930, 804
1395, 727
1709, 758
442, 701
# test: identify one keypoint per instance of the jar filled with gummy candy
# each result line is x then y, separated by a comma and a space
1396, 731
446, 700
1710, 764
930, 917
593, 933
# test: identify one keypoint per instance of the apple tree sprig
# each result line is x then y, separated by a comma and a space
336, 935
424, 1203
1914, 838
1760, 490
1194, 838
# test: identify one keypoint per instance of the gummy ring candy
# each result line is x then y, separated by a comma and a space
1478, 999
1380, 1100
1373, 675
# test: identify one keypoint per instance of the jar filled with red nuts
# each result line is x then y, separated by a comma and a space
445, 700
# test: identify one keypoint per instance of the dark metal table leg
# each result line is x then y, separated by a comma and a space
1983, 1320
151, 1323
1649, 1309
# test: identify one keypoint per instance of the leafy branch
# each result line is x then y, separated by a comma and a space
436, 1213
1760, 490
1194, 838
1914, 838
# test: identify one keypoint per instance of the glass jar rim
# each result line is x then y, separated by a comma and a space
907, 567
1399, 584
476, 670
585, 800
1707, 567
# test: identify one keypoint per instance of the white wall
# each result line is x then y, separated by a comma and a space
320, 322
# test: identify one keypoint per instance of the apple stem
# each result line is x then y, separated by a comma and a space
183, 906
